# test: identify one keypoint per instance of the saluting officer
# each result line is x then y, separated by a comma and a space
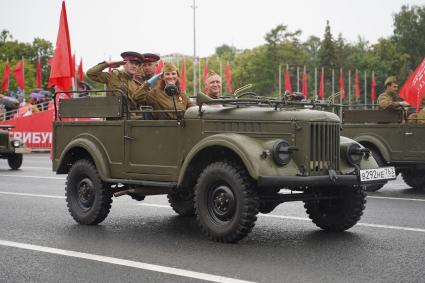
121, 79
389, 99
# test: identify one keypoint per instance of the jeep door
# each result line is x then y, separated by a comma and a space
152, 149
414, 137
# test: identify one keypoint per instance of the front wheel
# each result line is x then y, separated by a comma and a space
15, 161
88, 199
226, 204
340, 213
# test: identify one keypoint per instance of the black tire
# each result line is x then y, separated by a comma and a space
88, 199
337, 214
414, 178
381, 162
182, 202
15, 161
226, 204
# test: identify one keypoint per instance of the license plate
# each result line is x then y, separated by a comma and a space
383, 173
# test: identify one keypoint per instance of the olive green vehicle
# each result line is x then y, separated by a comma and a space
391, 140
11, 149
223, 161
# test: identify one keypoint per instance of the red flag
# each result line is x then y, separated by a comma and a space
341, 84
304, 83
38, 73
183, 76
372, 88
61, 63
80, 70
19, 74
322, 84
288, 86
204, 76
6, 75
413, 89
228, 75
160, 67
356, 84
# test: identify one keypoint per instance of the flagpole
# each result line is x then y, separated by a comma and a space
349, 89
315, 82
23, 72
373, 101
298, 79
221, 76
333, 81
280, 80
365, 90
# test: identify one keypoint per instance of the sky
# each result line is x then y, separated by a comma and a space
102, 29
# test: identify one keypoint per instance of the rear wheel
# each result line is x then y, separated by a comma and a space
337, 214
226, 203
15, 161
88, 199
182, 202
414, 178
381, 162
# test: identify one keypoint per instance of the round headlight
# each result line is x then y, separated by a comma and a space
16, 143
354, 154
282, 152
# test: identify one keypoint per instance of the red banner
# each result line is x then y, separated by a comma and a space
34, 130
413, 89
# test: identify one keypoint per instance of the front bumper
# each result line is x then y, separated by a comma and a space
330, 180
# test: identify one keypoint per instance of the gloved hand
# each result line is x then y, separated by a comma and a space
152, 80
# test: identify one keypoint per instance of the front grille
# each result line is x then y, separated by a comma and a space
324, 147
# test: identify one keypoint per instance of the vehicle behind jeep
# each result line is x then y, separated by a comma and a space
11, 149
392, 140
223, 161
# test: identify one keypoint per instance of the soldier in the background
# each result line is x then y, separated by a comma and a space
149, 65
121, 79
213, 84
389, 99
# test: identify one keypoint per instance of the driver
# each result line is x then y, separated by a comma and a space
389, 99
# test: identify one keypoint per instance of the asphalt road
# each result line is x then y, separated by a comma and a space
147, 242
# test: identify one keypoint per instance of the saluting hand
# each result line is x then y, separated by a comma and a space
116, 64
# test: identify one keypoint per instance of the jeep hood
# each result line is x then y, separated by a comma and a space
217, 112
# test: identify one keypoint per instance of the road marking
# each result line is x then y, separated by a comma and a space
36, 177
392, 198
31, 195
402, 228
124, 262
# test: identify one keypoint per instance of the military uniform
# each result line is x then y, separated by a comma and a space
389, 101
130, 85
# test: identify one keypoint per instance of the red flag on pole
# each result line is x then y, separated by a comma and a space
356, 84
372, 88
38, 73
288, 86
61, 63
304, 83
80, 70
204, 75
6, 75
18, 71
413, 90
228, 75
341, 83
183, 82
322, 84
160, 67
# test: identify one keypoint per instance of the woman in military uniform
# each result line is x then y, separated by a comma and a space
157, 98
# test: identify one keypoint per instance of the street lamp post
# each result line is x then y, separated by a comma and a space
194, 48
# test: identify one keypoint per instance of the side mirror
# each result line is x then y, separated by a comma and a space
171, 90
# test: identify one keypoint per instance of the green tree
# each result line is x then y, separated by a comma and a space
327, 52
409, 33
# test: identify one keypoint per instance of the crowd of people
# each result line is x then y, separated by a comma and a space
11, 103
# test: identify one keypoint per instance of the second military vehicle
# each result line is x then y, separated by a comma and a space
11, 149
223, 161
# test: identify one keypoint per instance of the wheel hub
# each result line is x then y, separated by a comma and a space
221, 203
85, 193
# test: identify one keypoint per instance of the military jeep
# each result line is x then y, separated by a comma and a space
392, 140
11, 149
223, 161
